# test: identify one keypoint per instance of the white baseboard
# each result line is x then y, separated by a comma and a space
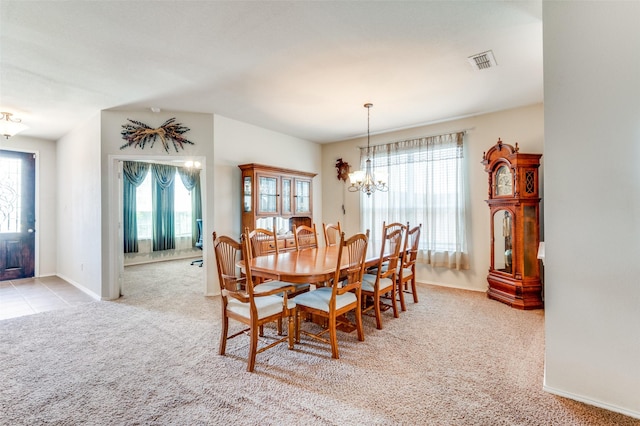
80, 287
451, 286
162, 257
593, 402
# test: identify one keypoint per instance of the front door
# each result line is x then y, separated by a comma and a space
17, 215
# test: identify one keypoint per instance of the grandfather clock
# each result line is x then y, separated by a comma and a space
514, 203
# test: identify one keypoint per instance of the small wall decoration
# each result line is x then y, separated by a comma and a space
343, 169
138, 134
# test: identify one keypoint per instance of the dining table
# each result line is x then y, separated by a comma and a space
315, 266
310, 265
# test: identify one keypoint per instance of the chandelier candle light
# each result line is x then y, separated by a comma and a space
10, 126
364, 180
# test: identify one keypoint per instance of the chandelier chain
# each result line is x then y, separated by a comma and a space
364, 180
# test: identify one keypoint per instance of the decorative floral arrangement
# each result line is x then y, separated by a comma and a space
138, 134
343, 169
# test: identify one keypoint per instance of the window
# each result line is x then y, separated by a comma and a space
427, 185
182, 209
144, 208
10, 190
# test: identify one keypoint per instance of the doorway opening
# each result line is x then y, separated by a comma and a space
17, 215
116, 263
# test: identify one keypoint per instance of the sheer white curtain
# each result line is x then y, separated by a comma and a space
427, 184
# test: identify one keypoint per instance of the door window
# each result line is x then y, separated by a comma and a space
10, 189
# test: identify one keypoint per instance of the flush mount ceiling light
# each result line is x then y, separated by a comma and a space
364, 180
10, 126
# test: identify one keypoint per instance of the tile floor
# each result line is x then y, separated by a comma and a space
34, 295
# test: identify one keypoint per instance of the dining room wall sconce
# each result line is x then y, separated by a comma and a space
364, 180
10, 126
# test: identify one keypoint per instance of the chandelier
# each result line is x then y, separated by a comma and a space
10, 126
364, 180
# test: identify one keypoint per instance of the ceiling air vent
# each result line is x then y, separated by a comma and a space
483, 60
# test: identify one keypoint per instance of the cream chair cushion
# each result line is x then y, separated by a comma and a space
319, 299
266, 306
369, 281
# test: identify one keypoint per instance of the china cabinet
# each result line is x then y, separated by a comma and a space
277, 199
514, 204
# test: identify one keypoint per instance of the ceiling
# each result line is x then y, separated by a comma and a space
303, 68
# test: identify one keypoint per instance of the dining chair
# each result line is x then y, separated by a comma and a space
332, 232
305, 236
383, 281
341, 296
264, 242
246, 306
386, 230
407, 268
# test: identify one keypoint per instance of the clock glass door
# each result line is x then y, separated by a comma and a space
502, 241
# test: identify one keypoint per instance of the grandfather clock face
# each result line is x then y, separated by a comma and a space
504, 181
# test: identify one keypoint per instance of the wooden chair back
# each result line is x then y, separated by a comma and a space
228, 252
305, 236
407, 269
332, 233
390, 253
261, 242
412, 242
387, 229
353, 254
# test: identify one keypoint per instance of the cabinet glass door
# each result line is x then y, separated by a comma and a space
246, 194
303, 196
267, 194
286, 196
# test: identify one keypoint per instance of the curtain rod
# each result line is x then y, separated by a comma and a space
463, 131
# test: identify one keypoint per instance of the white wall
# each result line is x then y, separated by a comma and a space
523, 125
46, 193
200, 133
87, 207
78, 209
240, 143
592, 214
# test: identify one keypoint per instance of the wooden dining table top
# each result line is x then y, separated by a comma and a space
311, 265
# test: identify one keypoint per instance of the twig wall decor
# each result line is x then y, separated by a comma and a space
138, 134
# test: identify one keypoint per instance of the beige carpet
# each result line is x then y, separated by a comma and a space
456, 358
